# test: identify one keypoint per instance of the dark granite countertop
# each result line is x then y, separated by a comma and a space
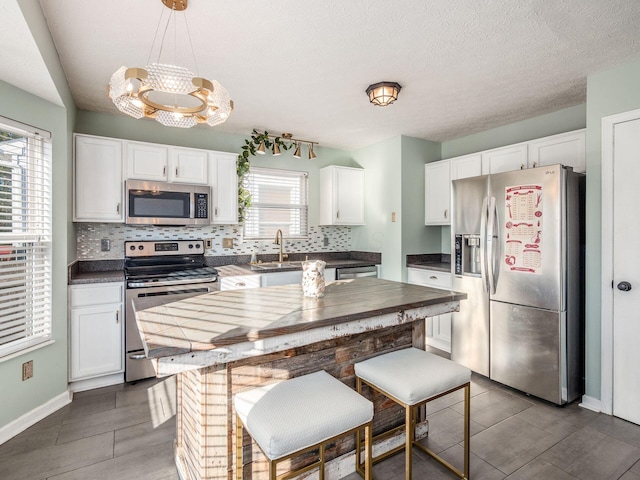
105, 271
440, 262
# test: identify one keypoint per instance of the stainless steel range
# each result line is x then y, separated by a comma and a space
154, 268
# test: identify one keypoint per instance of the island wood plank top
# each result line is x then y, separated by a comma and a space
218, 319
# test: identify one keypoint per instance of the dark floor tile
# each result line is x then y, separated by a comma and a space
617, 428
110, 420
493, 406
511, 444
478, 468
146, 391
446, 428
636, 468
34, 438
151, 463
591, 455
90, 404
137, 437
56, 459
630, 476
539, 469
561, 421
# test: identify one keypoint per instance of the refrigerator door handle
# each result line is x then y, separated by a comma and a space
495, 236
483, 244
490, 250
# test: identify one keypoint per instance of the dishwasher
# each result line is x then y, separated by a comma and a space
355, 272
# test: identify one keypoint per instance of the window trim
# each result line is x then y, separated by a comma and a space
38, 242
303, 177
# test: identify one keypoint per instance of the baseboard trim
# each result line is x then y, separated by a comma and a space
591, 403
98, 382
20, 424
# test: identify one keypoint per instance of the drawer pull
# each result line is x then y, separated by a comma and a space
241, 284
137, 356
433, 277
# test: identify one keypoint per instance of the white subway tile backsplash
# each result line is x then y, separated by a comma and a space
90, 235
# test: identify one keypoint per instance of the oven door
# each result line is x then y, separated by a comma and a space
137, 366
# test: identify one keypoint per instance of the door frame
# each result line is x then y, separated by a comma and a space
606, 290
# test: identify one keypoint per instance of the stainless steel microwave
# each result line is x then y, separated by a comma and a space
160, 203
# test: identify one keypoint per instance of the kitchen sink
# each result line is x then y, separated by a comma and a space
276, 265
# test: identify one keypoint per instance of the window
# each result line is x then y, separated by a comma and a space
278, 201
25, 237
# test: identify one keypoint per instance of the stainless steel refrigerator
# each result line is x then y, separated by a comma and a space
517, 240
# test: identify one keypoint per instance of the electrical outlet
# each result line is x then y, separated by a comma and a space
393, 216
27, 370
105, 245
207, 244
227, 243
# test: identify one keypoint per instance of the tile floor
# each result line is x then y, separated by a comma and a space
126, 431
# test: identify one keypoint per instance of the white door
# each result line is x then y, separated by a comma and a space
188, 165
223, 179
626, 259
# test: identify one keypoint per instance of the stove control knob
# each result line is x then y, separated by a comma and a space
132, 247
140, 247
197, 245
191, 245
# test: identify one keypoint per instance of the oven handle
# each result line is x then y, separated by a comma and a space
137, 356
169, 283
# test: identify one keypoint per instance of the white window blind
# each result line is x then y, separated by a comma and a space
25, 237
279, 200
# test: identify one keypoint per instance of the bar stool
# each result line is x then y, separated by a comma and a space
411, 378
294, 416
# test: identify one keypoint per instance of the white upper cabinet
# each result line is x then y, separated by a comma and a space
505, 159
565, 148
466, 166
223, 179
188, 165
146, 161
341, 195
98, 188
437, 186
163, 163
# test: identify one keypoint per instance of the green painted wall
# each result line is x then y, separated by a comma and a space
382, 164
610, 92
416, 237
121, 126
565, 120
50, 362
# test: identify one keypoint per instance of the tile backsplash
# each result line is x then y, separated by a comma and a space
89, 236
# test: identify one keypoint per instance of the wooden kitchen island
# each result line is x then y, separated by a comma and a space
221, 343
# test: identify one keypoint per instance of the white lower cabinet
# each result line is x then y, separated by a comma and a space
96, 333
239, 282
438, 328
281, 278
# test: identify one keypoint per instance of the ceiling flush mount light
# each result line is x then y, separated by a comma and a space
172, 95
383, 93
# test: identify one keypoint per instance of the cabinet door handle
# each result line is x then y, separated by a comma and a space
522, 166
164, 170
446, 213
118, 208
535, 164
215, 211
176, 171
338, 214
117, 316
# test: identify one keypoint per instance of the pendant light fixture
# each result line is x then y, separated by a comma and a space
296, 154
170, 94
383, 93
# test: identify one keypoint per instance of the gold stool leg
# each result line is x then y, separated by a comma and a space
408, 442
358, 437
467, 421
321, 472
272, 470
368, 447
239, 459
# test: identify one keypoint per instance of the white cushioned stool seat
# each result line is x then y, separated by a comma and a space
412, 378
294, 414
412, 375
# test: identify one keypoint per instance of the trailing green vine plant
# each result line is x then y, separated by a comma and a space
250, 148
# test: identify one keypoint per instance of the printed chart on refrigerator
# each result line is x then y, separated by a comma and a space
523, 227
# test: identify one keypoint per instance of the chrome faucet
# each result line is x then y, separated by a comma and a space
280, 241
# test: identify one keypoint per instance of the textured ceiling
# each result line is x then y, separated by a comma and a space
302, 67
